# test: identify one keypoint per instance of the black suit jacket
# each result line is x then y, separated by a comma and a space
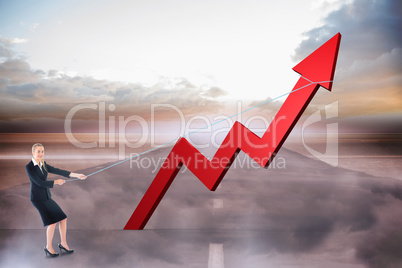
39, 184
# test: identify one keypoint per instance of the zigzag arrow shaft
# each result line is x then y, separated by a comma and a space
262, 150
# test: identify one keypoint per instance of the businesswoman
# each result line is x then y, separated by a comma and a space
49, 211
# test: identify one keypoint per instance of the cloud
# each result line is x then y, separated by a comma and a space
17, 72
369, 29
394, 191
268, 104
6, 51
367, 79
34, 26
28, 94
214, 92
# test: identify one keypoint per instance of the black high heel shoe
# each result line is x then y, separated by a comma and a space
52, 255
67, 251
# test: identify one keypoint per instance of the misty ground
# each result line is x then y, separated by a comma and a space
304, 213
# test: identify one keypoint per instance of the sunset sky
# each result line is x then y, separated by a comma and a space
203, 57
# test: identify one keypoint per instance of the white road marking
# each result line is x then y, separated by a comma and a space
215, 256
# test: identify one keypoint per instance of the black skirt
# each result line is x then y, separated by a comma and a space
49, 211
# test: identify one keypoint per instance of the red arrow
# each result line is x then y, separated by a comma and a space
317, 70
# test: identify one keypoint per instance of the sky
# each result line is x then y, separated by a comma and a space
200, 56
141, 41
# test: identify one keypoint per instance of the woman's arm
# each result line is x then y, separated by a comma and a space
64, 173
35, 178
41, 183
78, 175
57, 171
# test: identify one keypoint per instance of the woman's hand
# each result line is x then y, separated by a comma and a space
82, 176
77, 175
59, 182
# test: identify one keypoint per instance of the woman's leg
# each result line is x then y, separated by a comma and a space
63, 233
49, 237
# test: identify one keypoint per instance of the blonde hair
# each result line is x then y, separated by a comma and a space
33, 150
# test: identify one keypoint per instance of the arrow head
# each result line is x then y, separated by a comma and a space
319, 66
